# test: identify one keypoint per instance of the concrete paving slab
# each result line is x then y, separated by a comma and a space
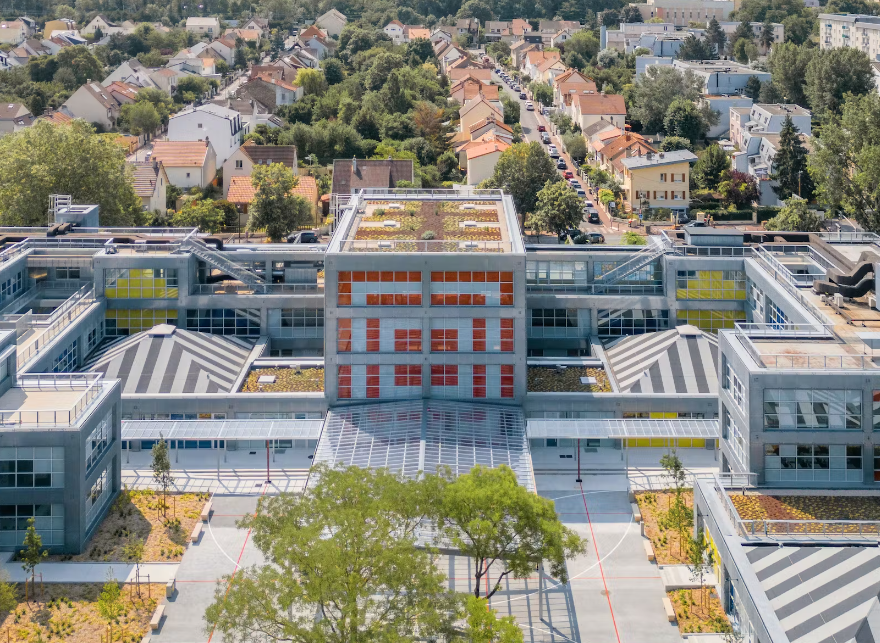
94, 572
679, 577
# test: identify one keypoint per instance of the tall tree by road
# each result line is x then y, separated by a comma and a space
521, 171
275, 208
558, 208
790, 164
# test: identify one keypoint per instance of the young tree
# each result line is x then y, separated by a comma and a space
631, 238
275, 208
45, 159
201, 214
499, 50
133, 550
833, 73
343, 549
716, 36
110, 605
845, 163
795, 216
583, 43
8, 593
575, 145
484, 626
685, 120
710, 166
521, 171
558, 208
766, 38
790, 164
743, 31
161, 466
700, 560
33, 553
738, 188
678, 514
541, 92
752, 88
606, 196
673, 143
141, 118
491, 518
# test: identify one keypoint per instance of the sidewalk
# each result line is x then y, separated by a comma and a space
92, 572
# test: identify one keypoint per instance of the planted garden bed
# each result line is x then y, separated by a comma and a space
287, 380
699, 611
759, 507
669, 547
69, 612
431, 221
550, 380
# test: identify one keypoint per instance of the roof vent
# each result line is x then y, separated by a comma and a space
469, 224
266, 379
589, 380
468, 206
162, 330
560, 368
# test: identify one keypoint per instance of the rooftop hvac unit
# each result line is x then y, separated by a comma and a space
838, 300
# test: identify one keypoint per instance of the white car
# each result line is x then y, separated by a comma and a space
530, 106
552, 151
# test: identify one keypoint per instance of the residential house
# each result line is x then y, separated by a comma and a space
53, 26
187, 164
518, 52
560, 38
122, 92
721, 76
253, 112
496, 29
548, 70
476, 110
739, 116
14, 117
441, 35
208, 26
271, 90
481, 160
682, 12
30, 25
757, 159
468, 26
63, 39
757, 27
242, 191
569, 83
247, 35
447, 55
491, 124
586, 109
663, 45
220, 125
488, 135
12, 32
625, 145
394, 30
224, 48
658, 180
596, 133
643, 62
850, 30
535, 59
150, 184
94, 103
242, 161
722, 105
320, 46
333, 22
107, 27
198, 59
5, 63
350, 176
549, 29
55, 117
131, 72
167, 78
460, 73
258, 24
470, 88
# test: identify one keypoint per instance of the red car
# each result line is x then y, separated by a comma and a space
568, 174
541, 128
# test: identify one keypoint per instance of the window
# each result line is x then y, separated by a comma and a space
97, 497
711, 284
187, 175
242, 322
663, 177
472, 289
877, 463
31, 467
710, 321
239, 164
97, 441
67, 273
375, 288
375, 381
472, 335
378, 335
555, 322
140, 283
617, 323
735, 440
94, 336
12, 287
66, 362
813, 462
119, 323
199, 126
48, 520
559, 275
733, 385
775, 315
472, 381
650, 274
799, 409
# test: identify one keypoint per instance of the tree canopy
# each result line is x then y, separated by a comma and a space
790, 164
833, 73
275, 208
795, 217
522, 170
710, 166
558, 208
656, 89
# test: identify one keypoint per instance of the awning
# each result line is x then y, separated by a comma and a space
222, 429
618, 428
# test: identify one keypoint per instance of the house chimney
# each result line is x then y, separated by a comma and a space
661, 155
354, 164
206, 141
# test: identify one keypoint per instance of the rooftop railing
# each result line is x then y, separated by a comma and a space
58, 321
782, 361
400, 246
91, 385
234, 288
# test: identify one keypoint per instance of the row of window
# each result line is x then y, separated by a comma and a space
732, 384
241, 322
404, 381
710, 321
141, 283
814, 462
97, 441
67, 361
120, 323
812, 409
711, 284
12, 287
30, 467
574, 274
735, 439
97, 497
618, 323
48, 521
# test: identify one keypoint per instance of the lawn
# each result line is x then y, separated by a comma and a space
69, 613
699, 612
135, 514
759, 506
654, 507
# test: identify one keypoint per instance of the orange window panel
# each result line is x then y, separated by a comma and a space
373, 369
507, 277
344, 276
387, 276
478, 276
479, 334
343, 300
343, 322
506, 288
479, 346
373, 275
359, 276
415, 277
373, 323
387, 300
344, 392
507, 346
415, 300
465, 300
437, 276
506, 300
464, 277
507, 369
345, 370
400, 299
437, 300
479, 323
343, 347
506, 391
372, 300
506, 323
506, 333
479, 300
450, 277
492, 276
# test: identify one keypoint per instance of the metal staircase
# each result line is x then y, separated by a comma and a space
200, 249
655, 249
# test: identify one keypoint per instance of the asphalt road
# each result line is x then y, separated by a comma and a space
529, 120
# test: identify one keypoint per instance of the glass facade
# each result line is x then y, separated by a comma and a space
379, 381
472, 335
296, 322
140, 283
31, 467
12, 287
379, 288
558, 322
241, 322
736, 441
472, 381
98, 441
48, 520
119, 323
97, 497
472, 288
812, 409
386, 335
813, 463
618, 323
732, 384
710, 321
67, 361
710, 284
557, 275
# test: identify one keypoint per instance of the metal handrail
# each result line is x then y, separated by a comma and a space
90, 383
84, 298
235, 288
788, 284
641, 259
768, 527
415, 245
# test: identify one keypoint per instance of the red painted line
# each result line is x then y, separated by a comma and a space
617, 578
240, 554
599, 562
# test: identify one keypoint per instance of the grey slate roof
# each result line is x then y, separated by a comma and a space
182, 361
663, 158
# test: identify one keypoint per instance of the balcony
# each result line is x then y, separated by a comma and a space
48, 400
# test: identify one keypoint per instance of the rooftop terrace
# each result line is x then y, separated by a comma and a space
53, 400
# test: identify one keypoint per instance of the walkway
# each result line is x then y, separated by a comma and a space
93, 572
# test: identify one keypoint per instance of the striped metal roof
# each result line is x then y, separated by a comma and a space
177, 361
422, 435
822, 594
681, 360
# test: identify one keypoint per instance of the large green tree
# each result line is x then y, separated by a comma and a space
505, 529
845, 163
790, 164
558, 208
202, 214
685, 120
275, 208
484, 626
141, 118
693, 48
795, 217
81, 62
833, 73
788, 63
710, 166
656, 89
69, 159
584, 43
344, 549
716, 36
521, 171
738, 189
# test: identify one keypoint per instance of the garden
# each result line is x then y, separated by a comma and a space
759, 507
284, 380
570, 379
699, 611
667, 525
430, 221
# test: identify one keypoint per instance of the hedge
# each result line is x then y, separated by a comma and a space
733, 215
767, 212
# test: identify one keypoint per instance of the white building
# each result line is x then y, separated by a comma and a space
850, 30
133, 73
333, 22
107, 27
682, 12
220, 125
187, 165
12, 32
204, 26
394, 30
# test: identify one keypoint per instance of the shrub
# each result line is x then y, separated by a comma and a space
428, 235
379, 212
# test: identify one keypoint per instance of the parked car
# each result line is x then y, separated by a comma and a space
572, 181
580, 192
304, 237
530, 107
551, 150
522, 95
561, 165
696, 224
682, 219
541, 128
570, 232
593, 216
589, 204
545, 138
591, 237
568, 174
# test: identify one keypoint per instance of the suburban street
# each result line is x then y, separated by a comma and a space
529, 120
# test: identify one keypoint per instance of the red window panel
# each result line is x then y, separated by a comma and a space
343, 300
506, 323
506, 288
444, 375
373, 323
478, 277
507, 369
414, 300
373, 299
465, 300
359, 276
506, 300
386, 275
444, 340
479, 346
387, 300
408, 375
450, 277
373, 275
506, 277
464, 277
479, 323
344, 392
344, 276
506, 391
344, 287
506, 333
437, 299
506, 345
437, 276
415, 277
479, 300
492, 276
343, 381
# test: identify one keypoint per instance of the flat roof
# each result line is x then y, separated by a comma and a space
221, 429
619, 428
661, 158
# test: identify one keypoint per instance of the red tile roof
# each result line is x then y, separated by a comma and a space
180, 153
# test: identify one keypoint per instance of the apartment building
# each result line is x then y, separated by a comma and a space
850, 30
657, 180
682, 12
721, 77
